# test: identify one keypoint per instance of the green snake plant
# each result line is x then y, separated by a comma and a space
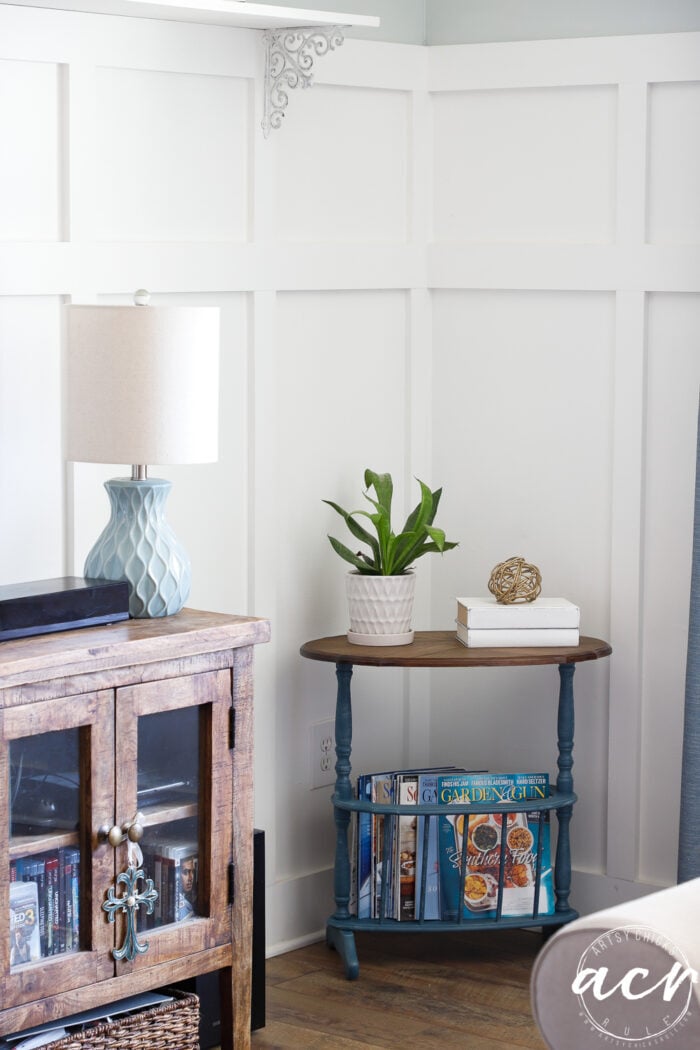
391, 554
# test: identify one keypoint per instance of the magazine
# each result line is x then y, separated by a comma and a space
406, 792
382, 834
477, 840
427, 829
399, 786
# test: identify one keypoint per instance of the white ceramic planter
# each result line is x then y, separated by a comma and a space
380, 608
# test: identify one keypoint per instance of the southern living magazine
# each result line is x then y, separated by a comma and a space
526, 838
406, 792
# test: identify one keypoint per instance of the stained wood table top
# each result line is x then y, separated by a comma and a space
191, 631
442, 649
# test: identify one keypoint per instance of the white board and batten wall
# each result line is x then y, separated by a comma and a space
477, 264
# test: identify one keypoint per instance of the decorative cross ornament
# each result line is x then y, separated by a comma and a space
130, 903
289, 60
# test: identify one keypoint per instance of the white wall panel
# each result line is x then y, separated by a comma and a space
30, 172
674, 163
534, 165
332, 423
673, 380
171, 156
343, 166
31, 469
522, 398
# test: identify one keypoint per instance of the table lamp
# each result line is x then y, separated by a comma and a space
142, 388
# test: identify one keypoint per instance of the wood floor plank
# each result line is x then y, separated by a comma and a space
429, 992
296, 964
415, 1003
279, 1034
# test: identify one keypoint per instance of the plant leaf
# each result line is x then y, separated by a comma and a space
359, 561
355, 528
383, 487
437, 536
432, 548
407, 544
392, 554
436, 503
423, 513
382, 523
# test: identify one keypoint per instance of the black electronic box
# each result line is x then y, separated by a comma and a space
62, 604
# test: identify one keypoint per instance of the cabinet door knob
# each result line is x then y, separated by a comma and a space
134, 831
131, 830
113, 835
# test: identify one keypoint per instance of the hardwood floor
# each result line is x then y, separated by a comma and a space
465, 991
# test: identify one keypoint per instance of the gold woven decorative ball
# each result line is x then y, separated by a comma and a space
515, 580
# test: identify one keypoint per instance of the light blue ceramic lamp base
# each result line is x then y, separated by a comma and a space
138, 545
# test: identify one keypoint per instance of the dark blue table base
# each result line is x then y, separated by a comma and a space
340, 932
341, 926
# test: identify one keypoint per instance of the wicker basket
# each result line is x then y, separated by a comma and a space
169, 1026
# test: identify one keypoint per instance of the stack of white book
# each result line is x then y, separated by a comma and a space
546, 621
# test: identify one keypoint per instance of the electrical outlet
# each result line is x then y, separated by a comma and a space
322, 748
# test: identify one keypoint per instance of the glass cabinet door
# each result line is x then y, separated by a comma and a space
168, 797
51, 777
173, 773
44, 882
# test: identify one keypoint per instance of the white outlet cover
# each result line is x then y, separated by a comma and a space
322, 753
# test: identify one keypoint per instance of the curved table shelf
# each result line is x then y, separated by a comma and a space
556, 800
438, 649
442, 649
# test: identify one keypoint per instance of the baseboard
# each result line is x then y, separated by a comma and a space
282, 947
297, 909
293, 900
593, 891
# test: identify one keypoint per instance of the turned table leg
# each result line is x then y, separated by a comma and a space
343, 940
565, 783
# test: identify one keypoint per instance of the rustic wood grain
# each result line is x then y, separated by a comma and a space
190, 632
427, 992
54, 1007
94, 720
98, 682
242, 915
442, 649
209, 692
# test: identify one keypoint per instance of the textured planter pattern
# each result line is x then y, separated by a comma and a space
381, 607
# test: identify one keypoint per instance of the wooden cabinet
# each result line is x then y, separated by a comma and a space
138, 731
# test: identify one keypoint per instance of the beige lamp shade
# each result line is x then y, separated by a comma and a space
142, 384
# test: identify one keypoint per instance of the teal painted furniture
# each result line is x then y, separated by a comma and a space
441, 649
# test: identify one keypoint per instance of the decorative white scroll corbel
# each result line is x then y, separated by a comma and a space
289, 59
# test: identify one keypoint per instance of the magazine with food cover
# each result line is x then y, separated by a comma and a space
480, 837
